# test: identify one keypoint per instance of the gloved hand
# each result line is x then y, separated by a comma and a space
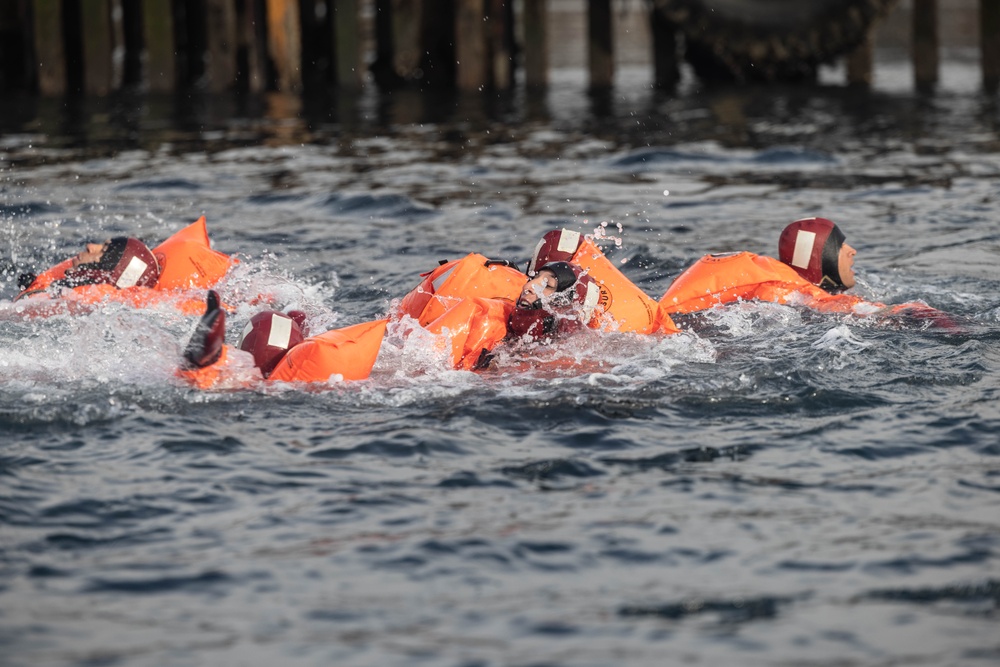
205, 346
25, 280
918, 314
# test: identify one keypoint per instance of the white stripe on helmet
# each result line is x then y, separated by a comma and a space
281, 332
246, 332
130, 276
804, 242
569, 241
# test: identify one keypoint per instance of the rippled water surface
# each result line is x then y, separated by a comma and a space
771, 487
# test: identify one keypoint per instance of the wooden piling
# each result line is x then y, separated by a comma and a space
17, 67
49, 48
470, 45
284, 43
407, 28
502, 69
251, 55
989, 43
98, 44
158, 34
666, 68
925, 44
346, 26
600, 44
536, 58
222, 42
861, 62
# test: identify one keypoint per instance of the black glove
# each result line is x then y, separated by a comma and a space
205, 346
25, 280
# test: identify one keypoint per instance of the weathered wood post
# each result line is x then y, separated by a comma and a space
158, 34
407, 28
925, 45
222, 43
600, 44
536, 58
98, 45
470, 45
284, 41
49, 48
18, 69
989, 43
346, 27
251, 38
383, 70
666, 69
502, 69
861, 62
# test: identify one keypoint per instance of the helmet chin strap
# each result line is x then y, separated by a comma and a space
831, 285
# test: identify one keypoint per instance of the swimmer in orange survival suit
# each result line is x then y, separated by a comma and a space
814, 268
123, 269
559, 299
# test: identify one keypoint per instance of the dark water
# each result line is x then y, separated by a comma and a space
775, 487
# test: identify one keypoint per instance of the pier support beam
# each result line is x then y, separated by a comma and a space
158, 34
536, 57
250, 55
502, 60
407, 36
49, 49
222, 44
346, 27
861, 62
470, 45
600, 44
284, 42
989, 43
666, 68
98, 44
925, 45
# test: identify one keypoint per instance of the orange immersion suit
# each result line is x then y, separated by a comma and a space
349, 352
186, 260
743, 276
727, 278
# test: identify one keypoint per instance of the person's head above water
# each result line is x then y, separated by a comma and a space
549, 299
269, 335
815, 248
122, 261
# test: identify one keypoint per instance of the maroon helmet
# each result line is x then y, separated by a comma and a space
812, 247
559, 245
269, 335
126, 262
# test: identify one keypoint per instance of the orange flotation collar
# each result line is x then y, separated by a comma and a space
472, 276
350, 352
473, 326
187, 260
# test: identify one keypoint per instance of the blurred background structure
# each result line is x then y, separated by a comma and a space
97, 47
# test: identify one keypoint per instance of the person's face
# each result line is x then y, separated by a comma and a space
92, 254
543, 284
846, 265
